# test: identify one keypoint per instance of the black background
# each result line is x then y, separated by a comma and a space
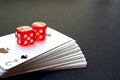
95, 24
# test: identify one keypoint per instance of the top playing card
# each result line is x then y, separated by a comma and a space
12, 54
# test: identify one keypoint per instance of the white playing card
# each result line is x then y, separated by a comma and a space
13, 58
57, 52
63, 48
79, 63
64, 61
56, 60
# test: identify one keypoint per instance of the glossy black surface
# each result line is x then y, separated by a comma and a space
95, 24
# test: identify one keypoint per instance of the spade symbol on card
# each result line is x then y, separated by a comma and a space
3, 50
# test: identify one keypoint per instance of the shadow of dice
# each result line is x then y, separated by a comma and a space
24, 35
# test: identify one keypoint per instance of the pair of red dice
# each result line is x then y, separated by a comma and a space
27, 35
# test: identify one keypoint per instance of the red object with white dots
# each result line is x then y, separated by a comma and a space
24, 35
39, 30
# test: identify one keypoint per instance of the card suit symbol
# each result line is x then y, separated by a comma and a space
7, 49
3, 50
24, 57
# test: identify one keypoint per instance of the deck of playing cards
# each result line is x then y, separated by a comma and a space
56, 52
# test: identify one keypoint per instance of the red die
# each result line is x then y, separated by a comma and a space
39, 30
24, 35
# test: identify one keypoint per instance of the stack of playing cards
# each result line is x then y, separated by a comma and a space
56, 52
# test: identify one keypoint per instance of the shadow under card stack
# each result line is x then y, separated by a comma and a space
38, 48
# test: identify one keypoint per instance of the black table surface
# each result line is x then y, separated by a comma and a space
94, 24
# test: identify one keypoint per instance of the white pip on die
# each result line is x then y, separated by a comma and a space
24, 35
